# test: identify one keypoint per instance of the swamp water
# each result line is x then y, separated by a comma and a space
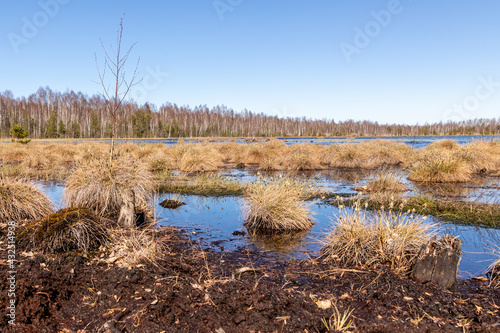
218, 223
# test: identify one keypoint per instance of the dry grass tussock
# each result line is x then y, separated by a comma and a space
383, 153
386, 237
387, 182
444, 144
481, 156
88, 150
277, 205
200, 159
161, 162
99, 184
257, 153
70, 229
345, 156
20, 200
231, 152
445, 161
446, 167
302, 157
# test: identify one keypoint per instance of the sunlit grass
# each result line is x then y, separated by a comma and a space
359, 238
99, 184
20, 200
277, 205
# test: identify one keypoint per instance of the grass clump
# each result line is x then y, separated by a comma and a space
70, 229
444, 144
200, 159
21, 200
268, 153
385, 182
386, 237
431, 168
302, 157
344, 156
385, 153
481, 156
277, 205
339, 322
99, 184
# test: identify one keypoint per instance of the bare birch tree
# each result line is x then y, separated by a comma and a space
117, 90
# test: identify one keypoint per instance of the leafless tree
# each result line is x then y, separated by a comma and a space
115, 93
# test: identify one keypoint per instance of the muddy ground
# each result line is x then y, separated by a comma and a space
194, 290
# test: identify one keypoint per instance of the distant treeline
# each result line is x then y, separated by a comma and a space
50, 114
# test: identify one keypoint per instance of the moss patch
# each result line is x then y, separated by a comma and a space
70, 229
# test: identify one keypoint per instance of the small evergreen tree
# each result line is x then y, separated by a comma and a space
19, 133
75, 129
61, 130
52, 125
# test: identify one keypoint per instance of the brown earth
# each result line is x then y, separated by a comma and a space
194, 290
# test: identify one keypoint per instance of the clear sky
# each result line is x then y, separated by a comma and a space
388, 61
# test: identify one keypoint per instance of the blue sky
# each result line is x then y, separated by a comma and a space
387, 61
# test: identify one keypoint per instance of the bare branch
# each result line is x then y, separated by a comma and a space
116, 64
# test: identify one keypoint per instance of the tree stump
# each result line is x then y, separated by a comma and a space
127, 210
438, 261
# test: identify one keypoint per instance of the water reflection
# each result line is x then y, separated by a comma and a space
286, 242
215, 220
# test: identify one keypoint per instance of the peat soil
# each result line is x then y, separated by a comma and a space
192, 289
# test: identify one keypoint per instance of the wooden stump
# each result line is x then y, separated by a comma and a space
127, 211
438, 261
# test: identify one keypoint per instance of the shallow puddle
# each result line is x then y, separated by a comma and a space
218, 223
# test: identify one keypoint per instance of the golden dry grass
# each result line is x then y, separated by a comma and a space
385, 182
301, 157
445, 168
344, 156
130, 247
277, 205
384, 153
481, 156
231, 152
441, 162
200, 159
20, 200
444, 144
256, 153
98, 184
386, 237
